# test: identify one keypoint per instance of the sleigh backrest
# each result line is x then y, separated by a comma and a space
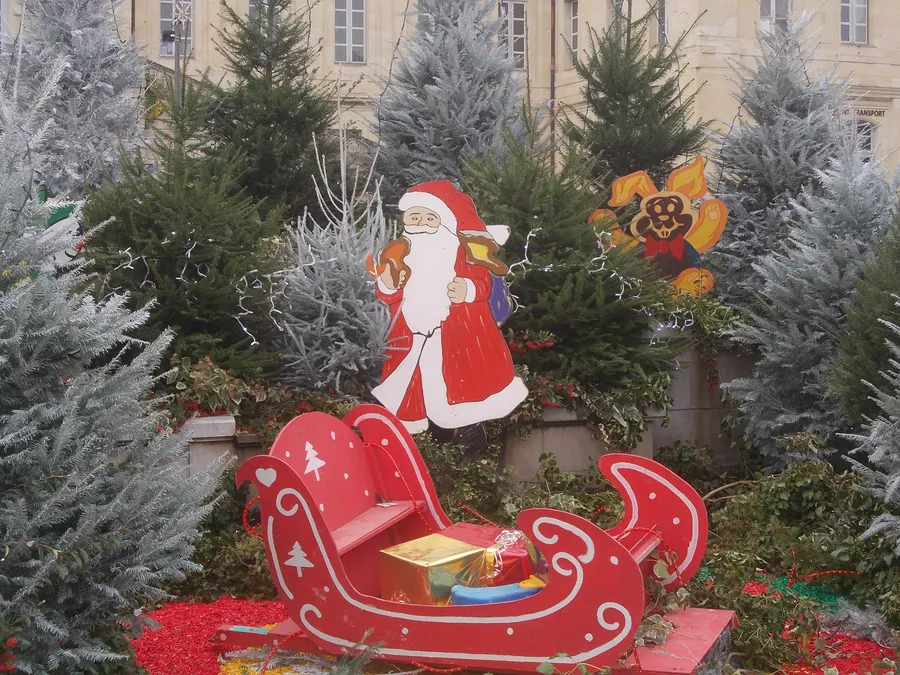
333, 464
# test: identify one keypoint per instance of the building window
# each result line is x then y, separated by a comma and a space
616, 11
4, 26
855, 21
865, 137
573, 29
255, 7
774, 14
425, 22
662, 25
350, 31
167, 13
513, 30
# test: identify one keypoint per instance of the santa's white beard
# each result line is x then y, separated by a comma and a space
431, 261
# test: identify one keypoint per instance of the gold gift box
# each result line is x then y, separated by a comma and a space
423, 571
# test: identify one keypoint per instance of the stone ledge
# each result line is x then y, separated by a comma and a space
211, 428
247, 440
560, 417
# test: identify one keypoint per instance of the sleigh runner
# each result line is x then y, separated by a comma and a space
331, 501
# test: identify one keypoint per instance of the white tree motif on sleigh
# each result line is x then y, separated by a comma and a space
298, 559
313, 463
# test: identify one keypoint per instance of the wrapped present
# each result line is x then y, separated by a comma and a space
423, 571
509, 556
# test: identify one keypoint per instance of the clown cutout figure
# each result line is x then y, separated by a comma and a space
447, 361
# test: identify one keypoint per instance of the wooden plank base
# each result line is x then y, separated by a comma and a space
249, 637
698, 644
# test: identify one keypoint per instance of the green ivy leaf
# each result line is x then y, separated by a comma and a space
661, 569
546, 668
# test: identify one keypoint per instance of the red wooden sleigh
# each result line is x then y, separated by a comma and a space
332, 498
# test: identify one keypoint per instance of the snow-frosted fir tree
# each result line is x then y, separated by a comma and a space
805, 291
881, 442
96, 109
450, 95
783, 136
335, 329
97, 509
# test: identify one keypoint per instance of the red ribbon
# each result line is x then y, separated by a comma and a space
675, 246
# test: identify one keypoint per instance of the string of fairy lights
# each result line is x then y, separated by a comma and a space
249, 286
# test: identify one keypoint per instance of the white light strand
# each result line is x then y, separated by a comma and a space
129, 265
244, 311
147, 274
525, 262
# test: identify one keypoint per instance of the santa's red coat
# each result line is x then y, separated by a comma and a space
475, 362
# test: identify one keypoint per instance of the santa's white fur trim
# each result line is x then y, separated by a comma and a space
499, 233
391, 392
429, 201
456, 415
470, 290
428, 355
416, 427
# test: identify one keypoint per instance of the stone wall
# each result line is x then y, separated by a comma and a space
697, 412
566, 435
696, 416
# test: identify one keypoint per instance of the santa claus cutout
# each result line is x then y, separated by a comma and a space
447, 361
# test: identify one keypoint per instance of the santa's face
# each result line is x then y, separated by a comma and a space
419, 220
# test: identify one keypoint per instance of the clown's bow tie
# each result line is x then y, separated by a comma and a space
674, 246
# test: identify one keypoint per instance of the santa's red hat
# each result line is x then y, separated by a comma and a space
456, 209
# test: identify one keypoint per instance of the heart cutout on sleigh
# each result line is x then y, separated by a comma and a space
266, 476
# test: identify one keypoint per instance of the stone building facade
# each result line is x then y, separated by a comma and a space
361, 39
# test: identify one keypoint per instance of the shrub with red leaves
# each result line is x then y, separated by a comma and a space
7, 657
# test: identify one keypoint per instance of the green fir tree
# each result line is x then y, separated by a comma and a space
864, 349
274, 103
187, 237
637, 113
601, 308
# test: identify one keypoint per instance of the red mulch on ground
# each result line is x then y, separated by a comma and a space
182, 646
845, 653
848, 655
